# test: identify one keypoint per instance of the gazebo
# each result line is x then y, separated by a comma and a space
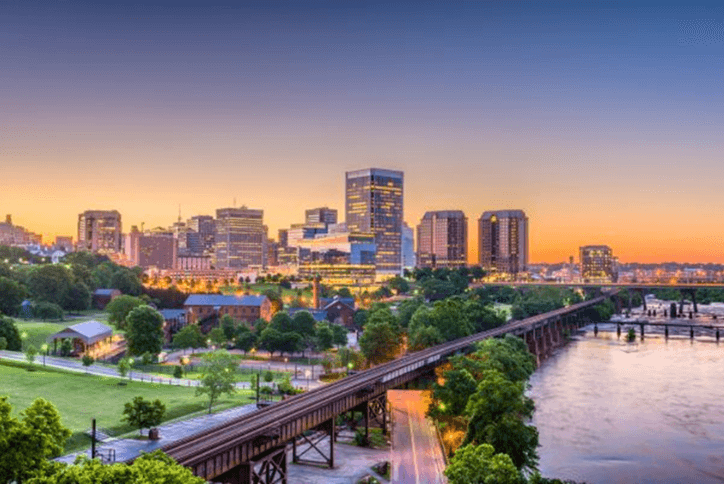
90, 337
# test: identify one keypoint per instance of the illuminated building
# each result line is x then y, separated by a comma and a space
503, 241
442, 239
16, 235
322, 215
374, 204
597, 264
240, 238
100, 231
339, 258
408, 247
204, 226
150, 250
283, 237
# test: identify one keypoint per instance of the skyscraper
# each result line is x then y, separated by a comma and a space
323, 215
442, 239
597, 264
408, 247
373, 204
204, 225
240, 238
503, 241
100, 231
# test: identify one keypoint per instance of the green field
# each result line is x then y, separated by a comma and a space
80, 397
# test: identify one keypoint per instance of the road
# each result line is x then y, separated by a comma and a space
417, 456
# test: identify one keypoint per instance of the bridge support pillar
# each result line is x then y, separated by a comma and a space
666, 331
268, 468
533, 346
642, 330
314, 443
692, 293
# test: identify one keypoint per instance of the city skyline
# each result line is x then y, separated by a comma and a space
601, 121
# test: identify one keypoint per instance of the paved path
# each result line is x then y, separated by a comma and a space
417, 457
129, 448
351, 464
112, 372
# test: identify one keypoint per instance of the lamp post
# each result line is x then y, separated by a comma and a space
23, 337
307, 373
45, 351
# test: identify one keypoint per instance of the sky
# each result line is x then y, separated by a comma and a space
603, 121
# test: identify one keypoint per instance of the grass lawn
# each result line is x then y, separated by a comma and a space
81, 397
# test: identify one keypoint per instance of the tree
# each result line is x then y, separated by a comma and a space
47, 311
422, 337
10, 332
435, 289
144, 331
282, 322
496, 414
228, 326
66, 347
30, 353
127, 282
3, 343
481, 465
324, 337
453, 395
143, 414
245, 339
124, 367
339, 334
50, 283
360, 318
26, 445
119, 308
304, 325
189, 337
399, 285
77, 298
406, 309
155, 467
217, 376
380, 342
87, 360
12, 295
217, 337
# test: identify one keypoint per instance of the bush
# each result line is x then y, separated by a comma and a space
178, 372
47, 311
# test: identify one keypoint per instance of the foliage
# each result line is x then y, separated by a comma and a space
30, 353
10, 332
87, 360
345, 356
66, 347
77, 297
26, 444
217, 337
399, 285
119, 308
454, 394
12, 295
406, 309
189, 337
124, 367
126, 281
542, 300
3, 343
47, 311
273, 340
380, 342
421, 337
228, 326
481, 465
144, 331
153, 468
339, 334
323, 337
360, 317
245, 339
435, 289
217, 376
143, 414
304, 324
50, 283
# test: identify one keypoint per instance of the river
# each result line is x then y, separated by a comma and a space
645, 412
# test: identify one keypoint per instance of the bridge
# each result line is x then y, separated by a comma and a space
253, 448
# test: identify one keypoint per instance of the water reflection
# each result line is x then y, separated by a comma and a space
650, 411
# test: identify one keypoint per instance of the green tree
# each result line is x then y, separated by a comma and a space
228, 326
143, 414
26, 445
50, 283
66, 347
127, 282
406, 309
47, 311
496, 416
304, 325
144, 331
178, 372
119, 308
282, 322
30, 353
245, 339
189, 337
217, 337
12, 295
124, 367
360, 318
452, 396
435, 289
87, 361
217, 376
77, 297
324, 337
382, 314
10, 332
153, 468
3, 343
421, 337
380, 342
399, 285
339, 334
481, 465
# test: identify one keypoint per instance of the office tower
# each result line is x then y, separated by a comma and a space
374, 204
157, 250
240, 238
100, 231
322, 215
204, 225
408, 247
598, 265
503, 241
283, 237
442, 239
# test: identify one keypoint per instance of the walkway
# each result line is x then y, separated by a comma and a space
129, 448
417, 457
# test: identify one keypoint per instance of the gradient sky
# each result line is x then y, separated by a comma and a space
602, 120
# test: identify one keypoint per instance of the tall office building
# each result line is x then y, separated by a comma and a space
148, 250
442, 239
240, 238
204, 225
100, 231
503, 241
322, 215
598, 265
373, 204
408, 247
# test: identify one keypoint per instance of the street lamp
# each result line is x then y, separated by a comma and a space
23, 337
45, 351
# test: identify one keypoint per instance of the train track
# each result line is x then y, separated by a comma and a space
207, 443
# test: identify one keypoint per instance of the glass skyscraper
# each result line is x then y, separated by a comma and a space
240, 238
442, 239
373, 204
503, 241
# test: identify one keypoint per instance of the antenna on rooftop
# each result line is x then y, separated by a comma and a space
179, 213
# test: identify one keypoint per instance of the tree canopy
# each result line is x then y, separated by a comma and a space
144, 332
218, 375
119, 308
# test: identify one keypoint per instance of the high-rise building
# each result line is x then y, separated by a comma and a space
503, 241
442, 239
598, 265
240, 238
100, 231
159, 251
204, 226
283, 237
408, 247
374, 204
322, 215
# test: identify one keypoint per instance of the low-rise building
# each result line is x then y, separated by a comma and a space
245, 308
101, 297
